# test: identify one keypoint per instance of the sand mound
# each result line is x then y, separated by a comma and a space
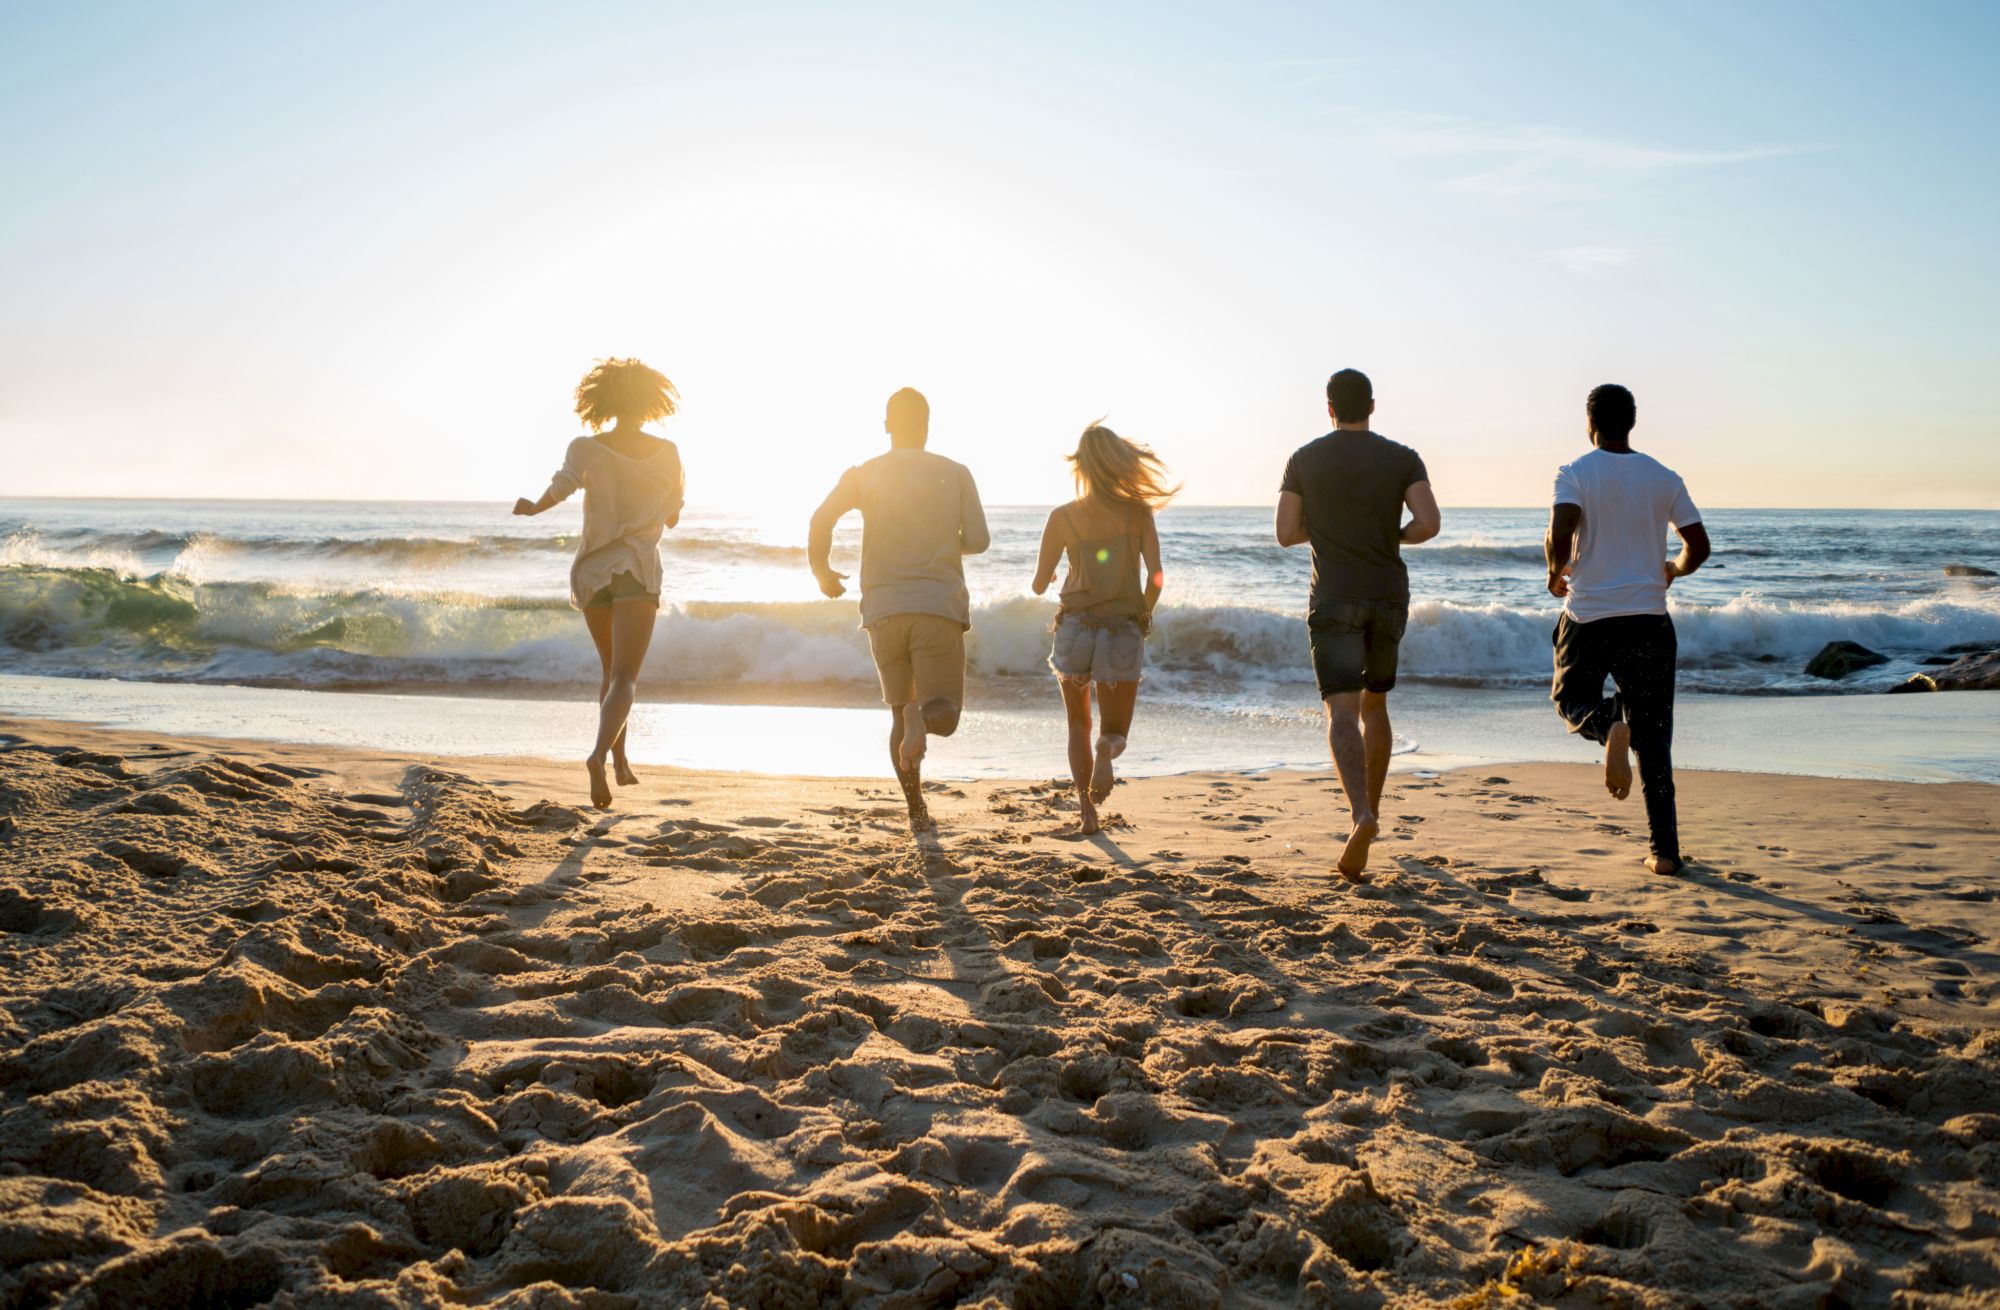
266, 1043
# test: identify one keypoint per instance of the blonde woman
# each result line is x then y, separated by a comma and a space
1107, 598
633, 487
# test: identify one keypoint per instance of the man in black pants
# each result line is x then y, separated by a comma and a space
1345, 493
1607, 536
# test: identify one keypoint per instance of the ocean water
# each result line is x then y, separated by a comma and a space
464, 598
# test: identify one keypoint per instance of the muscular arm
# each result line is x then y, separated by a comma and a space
1557, 546
1425, 521
973, 537
1291, 525
1694, 552
819, 538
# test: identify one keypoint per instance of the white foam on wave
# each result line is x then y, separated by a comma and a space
103, 621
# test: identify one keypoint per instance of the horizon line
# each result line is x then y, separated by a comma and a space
1049, 504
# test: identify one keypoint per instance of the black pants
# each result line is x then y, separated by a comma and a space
1636, 651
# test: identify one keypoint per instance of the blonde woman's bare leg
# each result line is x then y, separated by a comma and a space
1076, 706
631, 634
1115, 704
599, 622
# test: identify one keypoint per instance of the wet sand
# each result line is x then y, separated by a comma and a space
316, 1028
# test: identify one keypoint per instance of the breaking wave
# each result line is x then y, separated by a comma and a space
102, 622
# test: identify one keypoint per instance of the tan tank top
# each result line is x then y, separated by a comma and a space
1104, 573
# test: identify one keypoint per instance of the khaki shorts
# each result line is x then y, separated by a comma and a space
920, 658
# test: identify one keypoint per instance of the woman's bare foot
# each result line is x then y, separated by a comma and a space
600, 788
1663, 866
1618, 761
1102, 779
621, 769
1086, 818
1354, 858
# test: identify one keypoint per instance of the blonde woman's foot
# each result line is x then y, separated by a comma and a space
1354, 858
600, 787
1618, 761
1102, 779
622, 771
1086, 819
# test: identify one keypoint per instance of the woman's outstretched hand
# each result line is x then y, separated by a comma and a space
526, 507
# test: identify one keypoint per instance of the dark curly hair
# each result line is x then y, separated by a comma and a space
624, 389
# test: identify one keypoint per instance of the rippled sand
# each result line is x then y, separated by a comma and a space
306, 1028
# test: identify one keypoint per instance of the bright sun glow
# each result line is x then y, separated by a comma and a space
368, 269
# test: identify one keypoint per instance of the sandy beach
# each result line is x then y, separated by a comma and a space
309, 1028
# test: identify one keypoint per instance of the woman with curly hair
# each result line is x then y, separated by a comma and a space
1106, 600
633, 487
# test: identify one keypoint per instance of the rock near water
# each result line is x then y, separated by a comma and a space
1968, 571
1980, 672
1837, 659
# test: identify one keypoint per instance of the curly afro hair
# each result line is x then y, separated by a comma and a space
624, 389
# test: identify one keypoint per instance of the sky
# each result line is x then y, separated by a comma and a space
367, 250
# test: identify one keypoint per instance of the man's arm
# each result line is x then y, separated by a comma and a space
1291, 526
973, 537
1694, 537
819, 538
1425, 522
1694, 551
1564, 520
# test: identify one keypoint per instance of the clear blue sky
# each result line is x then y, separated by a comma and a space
367, 249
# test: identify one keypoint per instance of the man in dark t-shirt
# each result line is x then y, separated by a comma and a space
1345, 494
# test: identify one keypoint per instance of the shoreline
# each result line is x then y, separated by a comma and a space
1938, 738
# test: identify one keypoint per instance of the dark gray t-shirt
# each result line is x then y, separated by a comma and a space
1352, 484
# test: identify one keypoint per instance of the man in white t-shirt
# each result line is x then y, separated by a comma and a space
1606, 552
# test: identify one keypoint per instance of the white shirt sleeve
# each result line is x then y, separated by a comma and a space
1567, 490
569, 477
1683, 513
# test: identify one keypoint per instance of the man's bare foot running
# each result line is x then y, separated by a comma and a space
913, 797
600, 787
1618, 760
1663, 866
1109, 747
1354, 859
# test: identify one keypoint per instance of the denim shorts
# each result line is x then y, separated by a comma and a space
1093, 652
1354, 644
623, 587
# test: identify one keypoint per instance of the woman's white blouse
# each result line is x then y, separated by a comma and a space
626, 505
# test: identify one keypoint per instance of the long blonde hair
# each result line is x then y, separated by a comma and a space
624, 389
1123, 472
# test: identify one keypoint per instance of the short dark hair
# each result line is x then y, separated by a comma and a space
1611, 410
1351, 395
909, 416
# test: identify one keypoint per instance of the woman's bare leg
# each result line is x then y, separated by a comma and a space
631, 633
599, 623
1076, 704
1115, 703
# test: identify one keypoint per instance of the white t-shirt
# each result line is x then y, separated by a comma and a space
1621, 549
